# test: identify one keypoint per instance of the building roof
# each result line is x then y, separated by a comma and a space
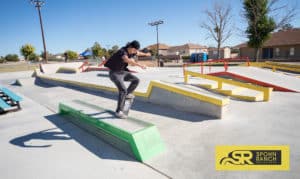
194, 46
188, 45
286, 37
161, 46
280, 38
214, 48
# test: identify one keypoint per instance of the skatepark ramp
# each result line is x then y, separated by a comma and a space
73, 67
9, 101
137, 138
25, 82
157, 92
245, 91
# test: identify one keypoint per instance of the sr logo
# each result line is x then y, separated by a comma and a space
238, 157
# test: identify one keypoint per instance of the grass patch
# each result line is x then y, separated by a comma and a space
18, 66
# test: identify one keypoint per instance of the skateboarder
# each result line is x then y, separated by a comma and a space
118, 72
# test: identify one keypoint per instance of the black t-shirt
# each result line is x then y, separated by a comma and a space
116, 63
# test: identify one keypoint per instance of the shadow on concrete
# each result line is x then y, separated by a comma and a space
69, 131
102, 75
47, 134
89, 141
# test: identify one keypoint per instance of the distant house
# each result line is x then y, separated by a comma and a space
224, 52
162, 48
58, 56
182, 50
186, 49
283, 45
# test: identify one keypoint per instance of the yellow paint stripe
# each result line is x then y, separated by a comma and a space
208, 86
275, 66
283, 65
249, 98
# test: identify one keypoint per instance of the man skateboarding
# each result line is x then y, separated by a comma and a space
118, 72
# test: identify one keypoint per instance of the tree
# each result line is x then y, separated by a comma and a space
218, 24
153, 50
97, 50
113, 50
33, 57
71, 54
27, 50
286, 27
2, 59
261, 15
11, 57
281, 12
42, 54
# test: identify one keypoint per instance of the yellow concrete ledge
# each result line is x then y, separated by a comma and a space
233, 92
154, 83
257, 97
266, 91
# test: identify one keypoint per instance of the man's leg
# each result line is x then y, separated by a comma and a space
134, 82
117, 78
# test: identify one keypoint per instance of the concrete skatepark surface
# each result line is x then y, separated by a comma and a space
38, 143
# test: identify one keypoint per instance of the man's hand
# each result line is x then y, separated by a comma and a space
144, 52
143, 67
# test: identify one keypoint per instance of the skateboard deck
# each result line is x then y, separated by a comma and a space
127, 105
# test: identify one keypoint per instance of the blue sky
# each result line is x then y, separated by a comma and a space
77, 24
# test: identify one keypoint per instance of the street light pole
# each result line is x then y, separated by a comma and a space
157, 23
38, 4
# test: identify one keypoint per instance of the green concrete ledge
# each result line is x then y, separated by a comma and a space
132, 136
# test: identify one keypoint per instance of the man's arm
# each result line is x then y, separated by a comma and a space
131, 61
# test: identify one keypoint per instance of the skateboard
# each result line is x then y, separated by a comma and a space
127, 105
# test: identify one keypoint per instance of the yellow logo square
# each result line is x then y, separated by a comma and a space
252, 158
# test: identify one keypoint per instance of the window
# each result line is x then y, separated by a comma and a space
292, 51
277, 51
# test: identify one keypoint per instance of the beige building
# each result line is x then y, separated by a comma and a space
186, 49
224, 53
283, 45
163, 48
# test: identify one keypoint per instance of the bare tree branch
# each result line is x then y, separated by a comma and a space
218, 24
282, 14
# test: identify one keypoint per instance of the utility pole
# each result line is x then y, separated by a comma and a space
38, 4
157, 23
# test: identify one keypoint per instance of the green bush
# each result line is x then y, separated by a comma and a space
186, 57
71, 55
2, 59
12, 58
33, 57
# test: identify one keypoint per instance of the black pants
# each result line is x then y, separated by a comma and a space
118, 77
